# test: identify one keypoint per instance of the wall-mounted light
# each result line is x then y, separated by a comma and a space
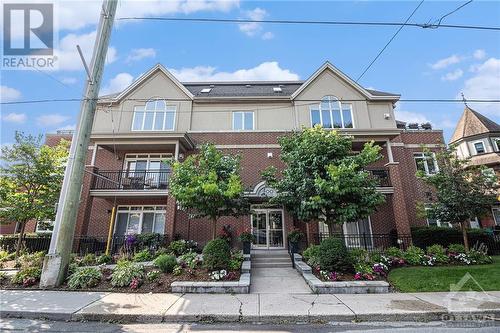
269, 155
387, 116
181, 156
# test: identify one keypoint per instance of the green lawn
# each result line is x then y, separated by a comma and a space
414, 279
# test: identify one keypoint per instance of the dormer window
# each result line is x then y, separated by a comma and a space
479, 147
331, 113
155, 115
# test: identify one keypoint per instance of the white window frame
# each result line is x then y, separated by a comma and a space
131, 157
169, 108
44, 231
128, 209
475, 149
474, 223
426, 157
331, 99
243, 120
493, 214
438, 222
495, 142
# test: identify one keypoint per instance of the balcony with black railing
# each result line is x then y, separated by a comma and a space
382, 176
130, 180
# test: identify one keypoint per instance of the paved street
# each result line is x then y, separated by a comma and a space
25, 325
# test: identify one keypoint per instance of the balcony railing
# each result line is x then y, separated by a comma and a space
131, 180
382, 175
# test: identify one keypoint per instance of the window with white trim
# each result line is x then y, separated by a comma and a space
426, 162
331, 113
44, 226
155, 115
496, 214
479, 147
496, 143
436, 222
358, 234
147, 162
132, 220
243, 121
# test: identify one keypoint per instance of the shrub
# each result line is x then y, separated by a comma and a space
359, 256
394, 252
333, 256
27, 276
178, 247
234, 265
247, 236
311, 255
177, 270
4, 255
439, 253
190, 259
456, 248
104, 259
216, 254
413, 255
153, 276
142, 256
425, 236
88, 260
125, 272
31, 260
161, 250
85, 277
165, 263
479, 257
295, 236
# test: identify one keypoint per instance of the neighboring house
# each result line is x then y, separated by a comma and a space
478, 138
159, 118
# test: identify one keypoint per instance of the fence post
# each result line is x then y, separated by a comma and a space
364, 241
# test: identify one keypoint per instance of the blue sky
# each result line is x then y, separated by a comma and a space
439, 63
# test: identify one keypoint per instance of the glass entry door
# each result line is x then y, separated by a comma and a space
267, 226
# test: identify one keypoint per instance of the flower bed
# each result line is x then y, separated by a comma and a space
142, 271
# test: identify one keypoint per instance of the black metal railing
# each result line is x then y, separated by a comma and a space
367, 241
130, 180
382, 176
88, 244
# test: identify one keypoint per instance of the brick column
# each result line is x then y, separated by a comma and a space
170, 218
398, 200
84, 210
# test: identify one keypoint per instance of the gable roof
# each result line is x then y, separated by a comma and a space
473, 123
368, 93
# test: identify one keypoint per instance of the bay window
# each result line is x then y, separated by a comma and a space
155, 115
331, 113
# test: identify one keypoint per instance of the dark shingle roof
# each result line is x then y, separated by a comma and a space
242, 89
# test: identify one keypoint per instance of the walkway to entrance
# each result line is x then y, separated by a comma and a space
272, 273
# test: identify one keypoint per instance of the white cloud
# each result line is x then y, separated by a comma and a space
409, 116
18, 118
139, 54
266, 71
443, 63
67, 54
485, 84
75, 15
67, 128
452, 76
69, 80
8, 94
267, 35
51, 119
117, 84
253, 28
479, 54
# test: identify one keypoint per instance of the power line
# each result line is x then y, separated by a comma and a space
312, 22
453, 11
390, 40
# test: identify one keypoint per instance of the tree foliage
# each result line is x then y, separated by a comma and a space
323, 178
208, 185
462, 191
31, 176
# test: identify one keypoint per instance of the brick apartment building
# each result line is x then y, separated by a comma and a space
159, 118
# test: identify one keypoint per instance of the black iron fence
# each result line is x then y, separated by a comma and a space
88, 244
382, 175
130, 180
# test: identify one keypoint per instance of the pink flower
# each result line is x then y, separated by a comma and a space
358, 276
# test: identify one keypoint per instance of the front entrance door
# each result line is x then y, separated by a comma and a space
267, 226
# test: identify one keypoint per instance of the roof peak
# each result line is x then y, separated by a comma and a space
473, 123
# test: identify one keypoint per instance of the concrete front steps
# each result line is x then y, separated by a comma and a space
270, 259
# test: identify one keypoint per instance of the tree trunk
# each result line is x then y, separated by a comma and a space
330, 229
465, 236
214, 228
20, 238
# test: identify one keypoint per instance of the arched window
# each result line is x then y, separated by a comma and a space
331, 113
155, 115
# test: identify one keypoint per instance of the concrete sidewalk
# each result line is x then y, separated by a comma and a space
267, 308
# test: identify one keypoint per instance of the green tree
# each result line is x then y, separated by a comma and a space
208, 185
462, 190
31, 176
323, 179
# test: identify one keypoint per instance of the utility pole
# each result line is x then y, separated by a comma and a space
56, 262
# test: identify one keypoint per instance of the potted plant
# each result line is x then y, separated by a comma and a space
294, 238
247, 238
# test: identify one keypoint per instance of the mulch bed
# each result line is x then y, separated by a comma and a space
161, 285
345, 277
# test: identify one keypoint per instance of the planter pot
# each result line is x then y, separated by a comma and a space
246, 247
294, 247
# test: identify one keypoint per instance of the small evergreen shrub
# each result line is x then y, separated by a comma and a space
165, 263
311, 255
333, 256
216, 254
85, 277
142, 256
413, 255
456, 248
438, 252
104, 259
125, 272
